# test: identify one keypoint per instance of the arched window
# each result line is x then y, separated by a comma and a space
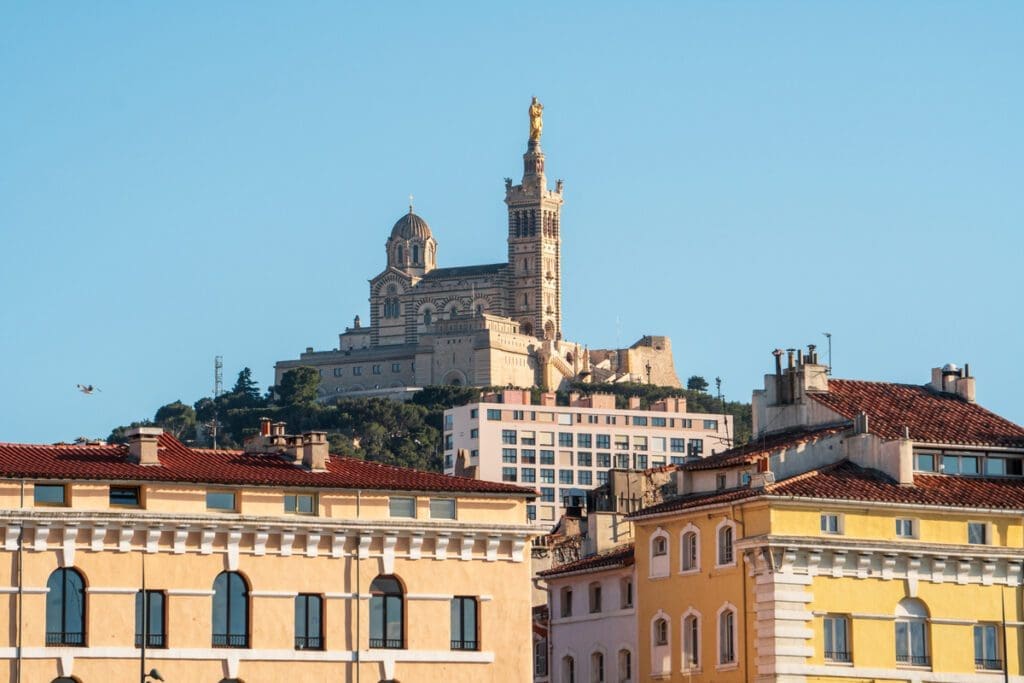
566, 601
691, 640
625, 666
230, 610
65, 608
661, 632
568, 669
415, 253
727, 635
659, 553
626, 593
725, 543
597, 667
399, 254
912, 633
689, 560
387, 609
428, 317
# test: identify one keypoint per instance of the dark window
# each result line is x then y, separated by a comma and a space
464, 627
442, 508
309, 619
230, 610
50, 494
65, 608
150, 621
387, 625
127, 496
400, 506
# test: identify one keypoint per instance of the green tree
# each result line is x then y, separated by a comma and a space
298, 387
177, 419
246, 392
118, 434
697, 383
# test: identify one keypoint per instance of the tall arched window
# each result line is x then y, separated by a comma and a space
415, 253
725, 541
387, 610
428, 317
65, 608
691, 641
400, 254
727, 635
597, 667
568, 669
625, 666
912, 633
689, 560
230, 610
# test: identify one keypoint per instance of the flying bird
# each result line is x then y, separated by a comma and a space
87, 388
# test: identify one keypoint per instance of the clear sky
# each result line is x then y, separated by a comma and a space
185, 180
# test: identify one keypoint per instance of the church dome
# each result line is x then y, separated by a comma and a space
411, 226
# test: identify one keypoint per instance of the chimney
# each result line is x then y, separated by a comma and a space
965, 385
547, 398
142, 444
264, 426
314, 451
634, 403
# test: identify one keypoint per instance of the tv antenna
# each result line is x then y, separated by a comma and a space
218, 389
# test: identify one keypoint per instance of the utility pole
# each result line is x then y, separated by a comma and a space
218, 389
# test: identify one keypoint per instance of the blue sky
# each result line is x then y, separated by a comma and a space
187, 180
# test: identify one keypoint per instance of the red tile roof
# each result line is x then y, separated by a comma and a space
621, 556
179, 463
761, 448
845, 481
931, 416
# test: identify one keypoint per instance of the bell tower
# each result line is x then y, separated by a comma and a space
535, 242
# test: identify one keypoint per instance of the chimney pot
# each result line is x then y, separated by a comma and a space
143, 444
314, 451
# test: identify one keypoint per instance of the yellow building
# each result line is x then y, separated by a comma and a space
276, 563
869, 532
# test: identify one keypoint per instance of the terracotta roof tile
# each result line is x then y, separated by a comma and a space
621, 556
931, 416
763, 447
179, 463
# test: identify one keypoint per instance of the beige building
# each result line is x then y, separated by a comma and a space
279, 562
566, 451
498, 324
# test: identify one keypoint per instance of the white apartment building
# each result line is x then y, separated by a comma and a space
565, 451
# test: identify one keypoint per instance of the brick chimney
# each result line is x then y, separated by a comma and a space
314, 450
142, 444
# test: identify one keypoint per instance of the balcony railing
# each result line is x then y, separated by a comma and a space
309, 643
152, 640
387, 643
837, 656
464, 645
914, 660
230, 640
70, 638
989, 664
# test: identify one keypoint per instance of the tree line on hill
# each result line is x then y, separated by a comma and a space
391, 432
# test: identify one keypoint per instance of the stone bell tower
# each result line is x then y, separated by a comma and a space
535, 242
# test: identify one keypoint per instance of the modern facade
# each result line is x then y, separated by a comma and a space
280, 562
565, 451
869, 531
497, 324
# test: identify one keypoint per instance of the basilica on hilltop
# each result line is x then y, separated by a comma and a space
496, 324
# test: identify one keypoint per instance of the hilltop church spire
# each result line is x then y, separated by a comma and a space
534, 242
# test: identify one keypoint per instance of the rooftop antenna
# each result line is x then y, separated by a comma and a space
725, 415
218, 389
410, 203
828, 335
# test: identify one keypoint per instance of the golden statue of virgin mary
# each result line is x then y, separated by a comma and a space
536, 120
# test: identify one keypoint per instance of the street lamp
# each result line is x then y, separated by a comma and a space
154, 674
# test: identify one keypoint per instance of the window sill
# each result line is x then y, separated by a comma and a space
728, 666
836, 662
689, 572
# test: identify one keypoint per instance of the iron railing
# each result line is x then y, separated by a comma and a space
230, 640
71, 638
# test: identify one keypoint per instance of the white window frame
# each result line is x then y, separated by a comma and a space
905, 616
659, 563
734, 662
987, 540
827, 520
594, 677
688, 529
718, 543
661, 655
914, 525
595, 597
688, 664
996, 640
624, 676
845, 619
